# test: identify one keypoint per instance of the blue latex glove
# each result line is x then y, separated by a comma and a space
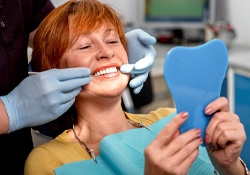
43, 97
141, 55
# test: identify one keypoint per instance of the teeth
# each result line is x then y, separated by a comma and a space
106, 71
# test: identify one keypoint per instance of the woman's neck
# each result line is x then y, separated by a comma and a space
98, 119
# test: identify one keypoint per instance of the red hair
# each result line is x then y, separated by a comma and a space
53, 38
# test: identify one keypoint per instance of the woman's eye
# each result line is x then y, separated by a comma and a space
84, 47
113, 42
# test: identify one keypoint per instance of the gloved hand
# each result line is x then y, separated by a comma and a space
43, 97
141, 55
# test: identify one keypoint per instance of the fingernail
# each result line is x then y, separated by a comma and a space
207, 139
184, 115
198, 132
201, 140
208, 111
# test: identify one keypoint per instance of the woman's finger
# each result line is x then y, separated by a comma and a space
220, 104
221, 134
190, 158
217, 119
170, 130
183, 154
229, 133
179, 143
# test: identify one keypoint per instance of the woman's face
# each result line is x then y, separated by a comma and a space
102, 52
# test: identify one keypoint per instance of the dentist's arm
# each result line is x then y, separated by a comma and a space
4, 121
141, 55
41, 98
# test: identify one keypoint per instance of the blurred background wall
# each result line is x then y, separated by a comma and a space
236, 12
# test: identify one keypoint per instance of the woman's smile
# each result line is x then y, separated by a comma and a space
106, 71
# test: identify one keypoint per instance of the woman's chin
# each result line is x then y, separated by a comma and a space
106, 87
103, 90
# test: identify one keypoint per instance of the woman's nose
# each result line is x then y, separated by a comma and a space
104, 51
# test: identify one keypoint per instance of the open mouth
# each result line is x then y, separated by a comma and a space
106, 71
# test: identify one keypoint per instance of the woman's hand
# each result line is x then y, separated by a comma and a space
172, 152
225, 137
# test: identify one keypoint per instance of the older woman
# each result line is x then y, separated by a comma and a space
98, 136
